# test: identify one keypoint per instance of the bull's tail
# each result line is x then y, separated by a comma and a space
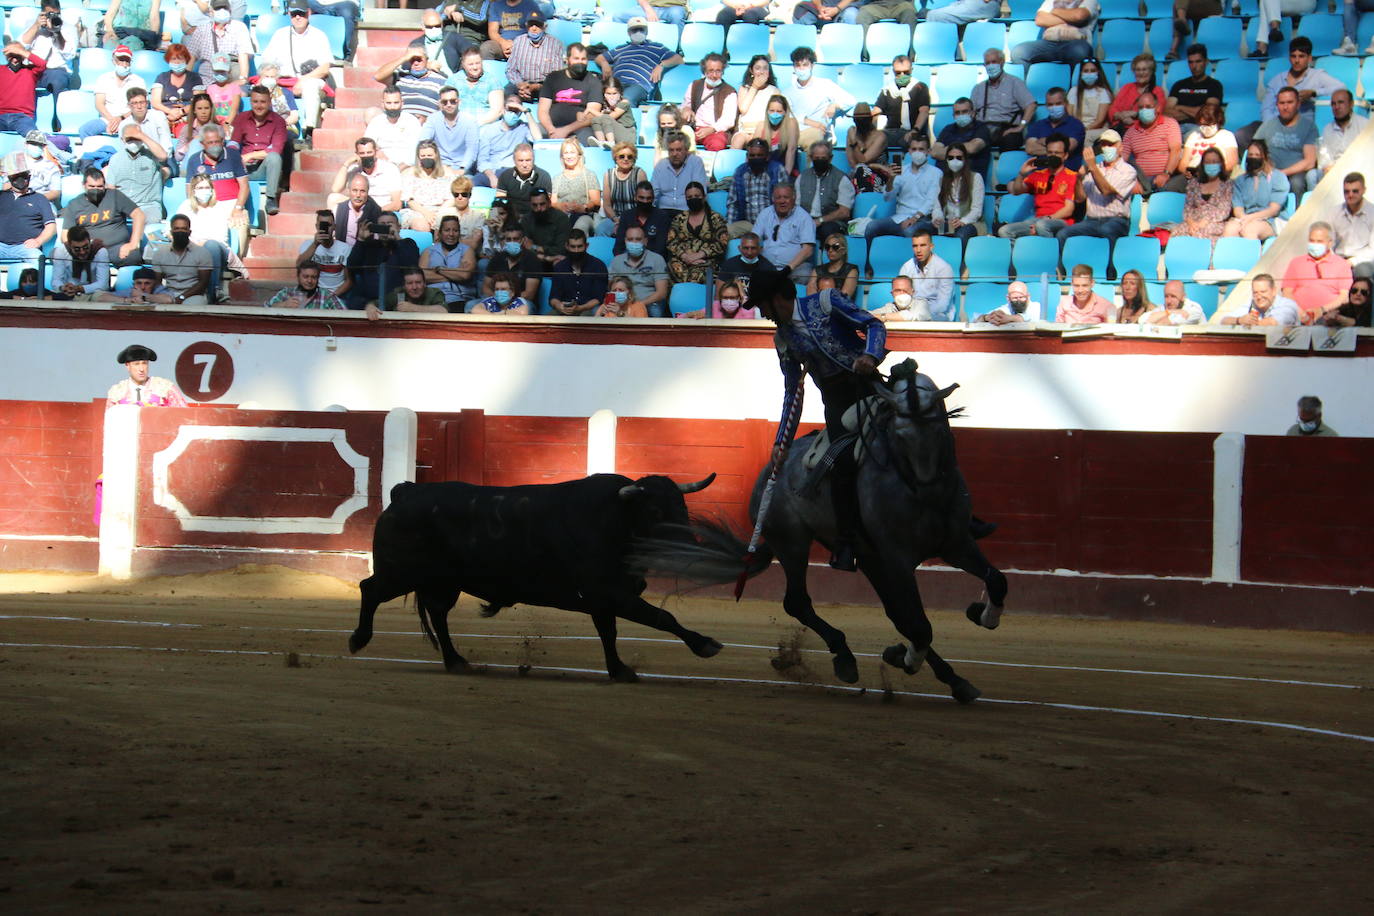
423, 611
702, 552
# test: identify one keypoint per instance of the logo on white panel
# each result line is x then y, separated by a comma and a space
333, 524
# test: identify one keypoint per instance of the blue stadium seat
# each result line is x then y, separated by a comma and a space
1022, 30
987, 257
745, 39
840, 43
1042, 77
1023, 9
1235, 254
174, 195
1032, 256
935, 42
1122, 39
791, 36
887, 40
1135, 253
1205, 295
1221, 36
1013, 208
1008, 164
979, 36
608, 33
74, 108
672, 88
1240, 76
1165, 207
1160, 9
665, 33
1175, 71
951, 249
953, 81
1184, 256
124, 279
717, 201
1159, 34
981, 298
482, 198
700, 39
255, 8
887, 254
863, 81
687, 297
1345, 69
857, 254
1242, 111
1085, 249
874, 295
1118, 9
727, 160
264, 27
871, 203
1325, 30
565, 31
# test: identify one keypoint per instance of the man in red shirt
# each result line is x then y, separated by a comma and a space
1053, 186
261, 136
1319, 280
1154, 145
19, 87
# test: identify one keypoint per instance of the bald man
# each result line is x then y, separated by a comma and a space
1018, 309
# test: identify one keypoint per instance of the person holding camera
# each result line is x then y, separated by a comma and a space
378, 258
56, 41
1054, 187
18, 85
329, 254
305, 55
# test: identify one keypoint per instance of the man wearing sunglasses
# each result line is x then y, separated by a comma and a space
303, 52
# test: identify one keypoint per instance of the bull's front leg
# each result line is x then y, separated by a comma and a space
605, 628
375, 590
637, 610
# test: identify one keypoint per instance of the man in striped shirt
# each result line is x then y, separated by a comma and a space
417, 78
533, 56
1154, 145
638, 64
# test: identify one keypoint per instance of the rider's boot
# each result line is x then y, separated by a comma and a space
845, 502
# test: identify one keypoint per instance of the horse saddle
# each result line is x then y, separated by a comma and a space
858, 422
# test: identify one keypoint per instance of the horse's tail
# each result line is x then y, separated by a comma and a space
703, 552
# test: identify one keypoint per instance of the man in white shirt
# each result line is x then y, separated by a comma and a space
1345, 126
1018, 309
397, 132
328, 252
111, 94
932, 281
1354, 227
1266, 307
384, 179
152, 124
303, 51
815, 100
788, 234
1178, 308
42, 40
1067, 33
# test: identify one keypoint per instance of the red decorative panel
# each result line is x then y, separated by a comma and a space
1305, 510
524, 450
224, 478
49, 460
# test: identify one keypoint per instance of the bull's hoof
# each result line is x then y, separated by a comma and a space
896, 657
846, 668
707, 648
984, 615
626, 675
357, 641
964, 692
458, 665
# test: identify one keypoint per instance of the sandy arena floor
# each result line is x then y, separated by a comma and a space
162, 755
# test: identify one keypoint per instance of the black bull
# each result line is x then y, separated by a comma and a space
557, 545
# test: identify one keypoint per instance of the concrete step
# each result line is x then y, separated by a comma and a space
326, 160
358, 99
368, 59
273, 249
312, 183
337, 119
304, 202
360, 78
336, 140
286, 224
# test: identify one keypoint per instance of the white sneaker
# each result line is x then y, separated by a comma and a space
1347, 48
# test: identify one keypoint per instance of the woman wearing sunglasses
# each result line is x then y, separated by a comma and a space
618, 188
836, 268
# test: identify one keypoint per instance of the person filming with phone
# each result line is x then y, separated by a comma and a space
378, 261
1053, 186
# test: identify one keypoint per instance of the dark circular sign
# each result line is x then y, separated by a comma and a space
205, 371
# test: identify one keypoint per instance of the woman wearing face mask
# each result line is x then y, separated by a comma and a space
210, 222
696, 238
1090, 98
1256, 196
618, 187
283, 101
202, 112
1122, 110
760, 85
866, 149
130, 21
727, 306
173, 90
620, 301
671, 123
960, 201
1210, 133
426, 187
1208, 203
503, 299
617, 122
491, 229
782, 133
837, 268
576, 189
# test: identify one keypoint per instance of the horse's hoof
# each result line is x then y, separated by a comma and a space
847, 669
707, 648
984, 615
458, 665
896, 657
626, 675
357, 641
964, 692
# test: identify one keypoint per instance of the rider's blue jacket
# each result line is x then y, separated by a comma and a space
823, 339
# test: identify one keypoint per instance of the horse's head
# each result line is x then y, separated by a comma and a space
920, 424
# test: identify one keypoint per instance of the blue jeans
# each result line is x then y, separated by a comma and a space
11, 253
55, 80
1063, 52
1108, 227
850, 15
635, 94
219, 260
673, 15
95, 127
346, 10
962, 12
21, 123
889, 226
1350, 16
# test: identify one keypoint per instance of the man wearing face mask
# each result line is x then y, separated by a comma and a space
518, 259
135, 170
639, 63
383, 177
1310, 419
45, 175
650, 219
186, 267
815, 100
396, 131
751, 189
114, 221
224, 165
481, 92
1057, 120
1018, 309
1319, 279
647, 270
111, 93
579, 280
421, 86
741, 268
223, 34
434, 45
570, 99
497, 142
968, 130
1105, 185
377, 260
506, 20
261, 136
80, 270
825, 193
1053, 186
904, 102
26, 217
534, 55
546, 227
1002, 102
916, 192
1154, 145
154, 133
711, 105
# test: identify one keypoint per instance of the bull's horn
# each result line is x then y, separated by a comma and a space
946, 392
699, 485
631, 490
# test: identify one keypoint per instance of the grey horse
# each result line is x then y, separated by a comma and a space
914, 506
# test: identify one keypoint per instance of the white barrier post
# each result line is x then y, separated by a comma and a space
1228, 468
399, 432
601, 442
119, 491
